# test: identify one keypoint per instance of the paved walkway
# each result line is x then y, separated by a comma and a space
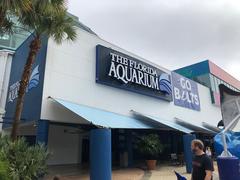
164, 172
75, 172
167, 173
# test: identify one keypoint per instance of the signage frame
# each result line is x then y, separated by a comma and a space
103, 65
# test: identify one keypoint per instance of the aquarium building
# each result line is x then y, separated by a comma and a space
90, 101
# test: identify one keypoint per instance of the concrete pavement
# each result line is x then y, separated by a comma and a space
163, 172
166, 172
76, 173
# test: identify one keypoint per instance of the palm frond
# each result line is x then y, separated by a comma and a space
65, 28
13, 5
49, 7
10, 8
7, 27
49, 17
6, 24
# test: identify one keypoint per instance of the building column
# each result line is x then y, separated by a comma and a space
42, 131
187, 139
100, 154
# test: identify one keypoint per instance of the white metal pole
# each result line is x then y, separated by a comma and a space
225, 152
231, 123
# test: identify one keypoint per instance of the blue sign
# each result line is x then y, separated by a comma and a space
33, 97
119, 70
185, 92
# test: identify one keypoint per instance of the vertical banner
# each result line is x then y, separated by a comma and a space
33, 98
185, 92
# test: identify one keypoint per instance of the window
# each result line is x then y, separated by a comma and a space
213, 87
4, 37
217, 82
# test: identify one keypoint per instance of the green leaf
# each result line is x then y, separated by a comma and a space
150, 145
23, 161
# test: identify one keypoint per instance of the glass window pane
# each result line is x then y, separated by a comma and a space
216, 84
212, 83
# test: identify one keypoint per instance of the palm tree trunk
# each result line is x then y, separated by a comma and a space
34, 48
2, 17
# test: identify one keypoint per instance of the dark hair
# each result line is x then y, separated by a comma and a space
56, 177
198, 143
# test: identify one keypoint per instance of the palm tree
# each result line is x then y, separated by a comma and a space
10, 8
46, 18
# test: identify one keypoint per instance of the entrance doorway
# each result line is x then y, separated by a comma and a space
85, 150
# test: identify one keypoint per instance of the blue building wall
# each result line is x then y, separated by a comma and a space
33, 97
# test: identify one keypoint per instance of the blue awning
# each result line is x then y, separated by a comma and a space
211, 127
195, 127
162, 122
104, 118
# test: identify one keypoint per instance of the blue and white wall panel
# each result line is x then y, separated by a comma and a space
33, 98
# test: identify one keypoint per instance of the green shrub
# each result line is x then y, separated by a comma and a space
24, 162
4, 170
150, 146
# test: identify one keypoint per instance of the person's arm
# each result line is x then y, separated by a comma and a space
208, 175
208, 166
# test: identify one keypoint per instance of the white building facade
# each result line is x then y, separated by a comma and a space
5, 67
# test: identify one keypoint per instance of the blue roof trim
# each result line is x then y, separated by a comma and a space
194, 69
104, 118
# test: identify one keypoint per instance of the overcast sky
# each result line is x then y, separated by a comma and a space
171, 33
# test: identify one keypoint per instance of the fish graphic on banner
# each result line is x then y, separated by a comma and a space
33, 83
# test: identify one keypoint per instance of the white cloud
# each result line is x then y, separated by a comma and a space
172, 33
233, 68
